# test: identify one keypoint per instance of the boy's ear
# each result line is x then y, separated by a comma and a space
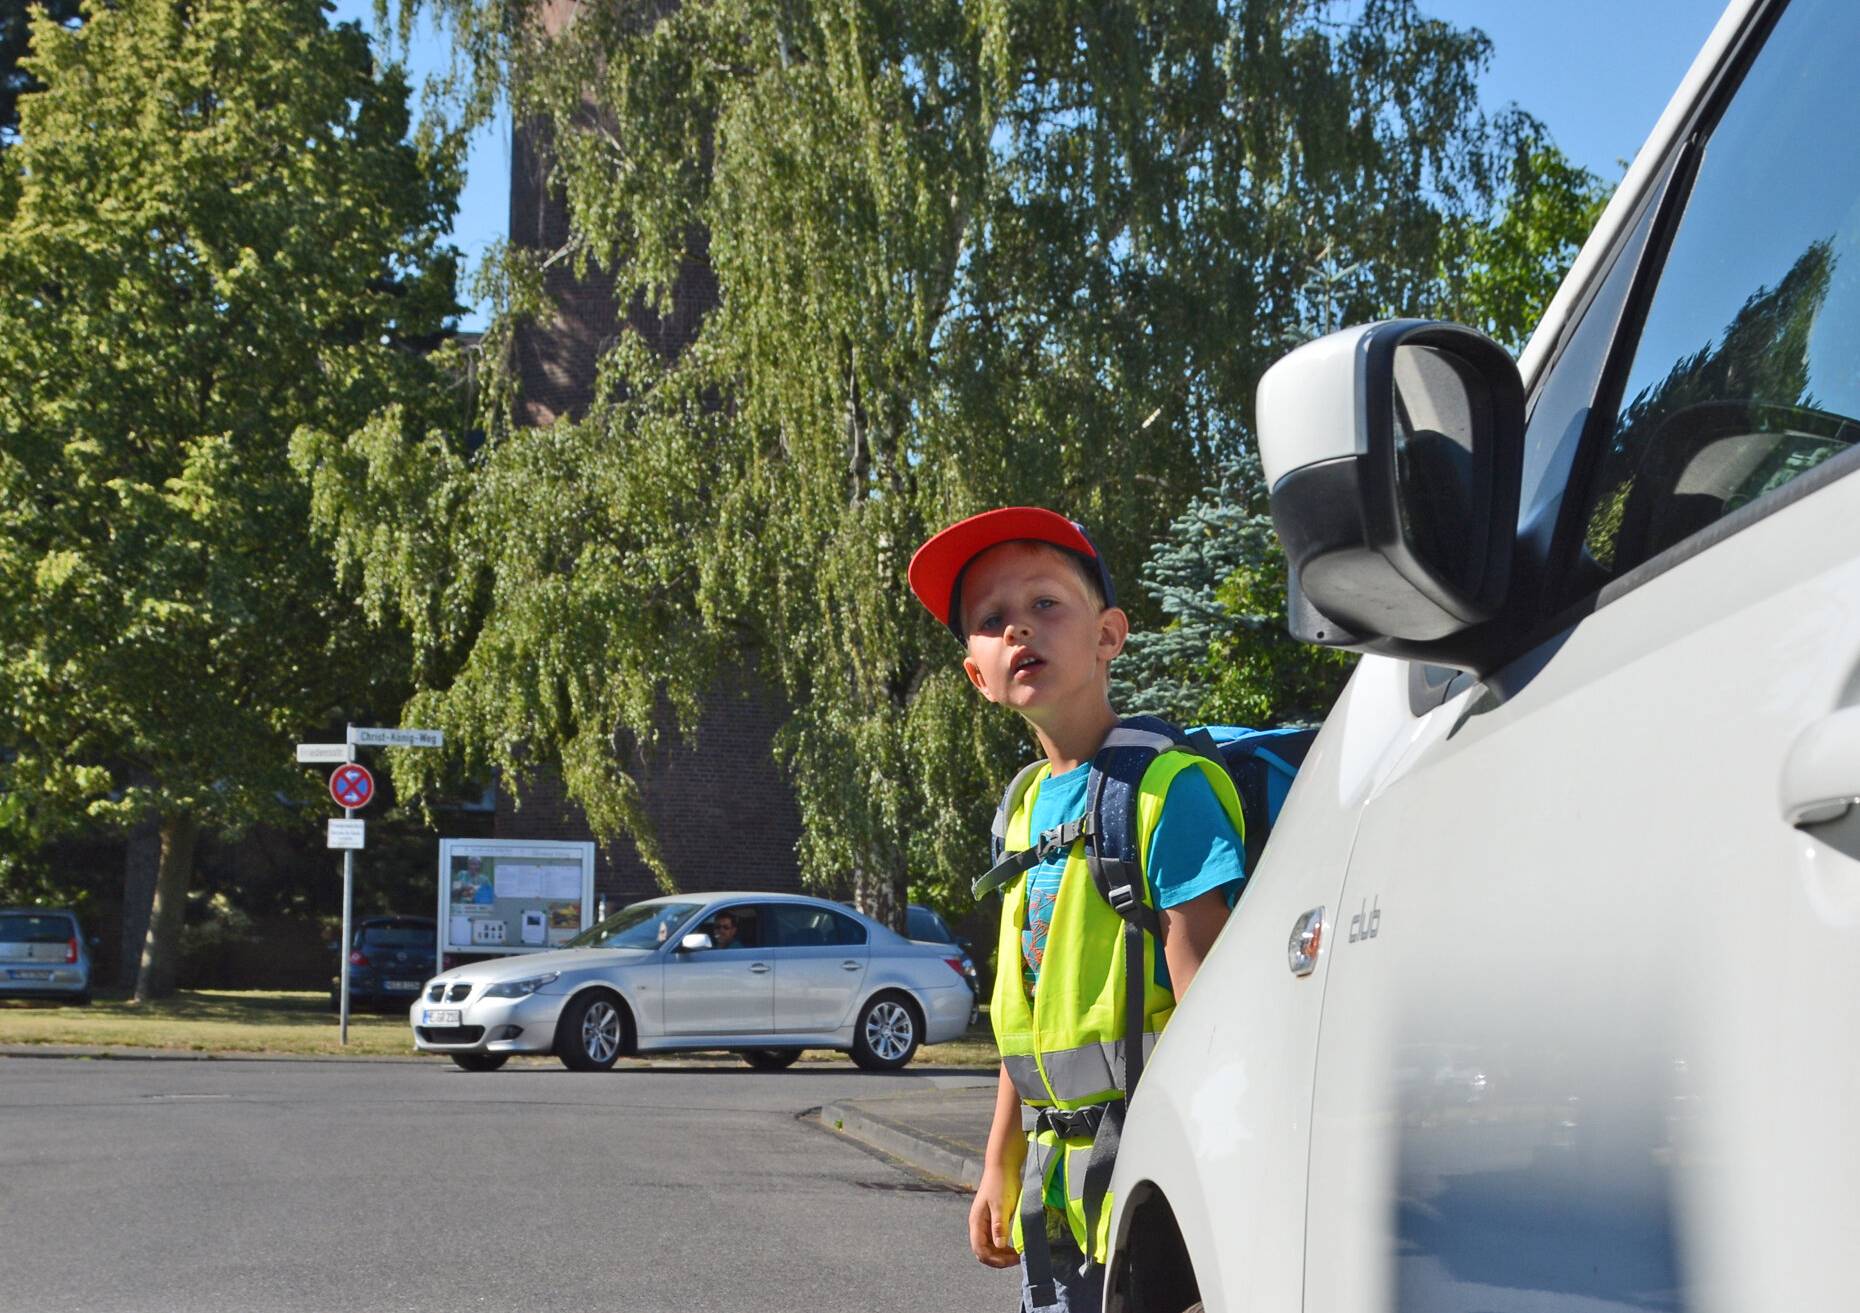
1113, 632
974, 672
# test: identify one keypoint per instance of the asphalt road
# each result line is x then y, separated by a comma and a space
331, 1186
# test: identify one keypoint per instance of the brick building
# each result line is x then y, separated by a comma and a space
723, 816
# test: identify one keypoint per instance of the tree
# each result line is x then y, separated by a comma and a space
968, 254
213, 231
1224, 655
1499, 271
1219, 577
15, 31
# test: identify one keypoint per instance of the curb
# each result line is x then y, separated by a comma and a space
108, 1054
943, 1159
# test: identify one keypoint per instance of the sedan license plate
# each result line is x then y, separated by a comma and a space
441, 1017
407, 985
30, 975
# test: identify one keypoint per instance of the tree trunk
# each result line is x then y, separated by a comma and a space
141, 861
162, 948
882, 894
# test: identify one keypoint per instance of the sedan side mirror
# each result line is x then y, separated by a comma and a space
694, 941
1393, 455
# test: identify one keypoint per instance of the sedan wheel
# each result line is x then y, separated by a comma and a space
887, 1034
590, 1034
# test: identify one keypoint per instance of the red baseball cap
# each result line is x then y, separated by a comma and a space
936, 570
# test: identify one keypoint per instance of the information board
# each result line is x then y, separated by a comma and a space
513, 895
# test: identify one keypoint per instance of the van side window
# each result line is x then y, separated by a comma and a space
1561, 408
1747, 371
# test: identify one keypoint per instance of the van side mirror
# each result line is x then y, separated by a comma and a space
1393, 455
694, 942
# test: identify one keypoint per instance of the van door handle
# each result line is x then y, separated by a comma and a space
1821, 774
760, 968
849, 966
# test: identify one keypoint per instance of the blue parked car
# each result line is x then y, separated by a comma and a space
44, 953
390, 958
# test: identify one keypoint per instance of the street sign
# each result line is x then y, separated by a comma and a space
351, 786
346, 834
311, 752
366, 737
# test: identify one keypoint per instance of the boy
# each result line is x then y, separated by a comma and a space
1027, 594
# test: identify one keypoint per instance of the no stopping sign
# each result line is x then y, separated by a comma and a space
351, 785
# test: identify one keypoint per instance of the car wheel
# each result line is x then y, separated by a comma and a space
480, 1061
887, 1034
591, 1033
769, 1059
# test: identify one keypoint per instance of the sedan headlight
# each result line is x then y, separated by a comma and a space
521, 988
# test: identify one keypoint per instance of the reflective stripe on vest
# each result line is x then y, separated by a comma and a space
1074, 1077
1050, 1150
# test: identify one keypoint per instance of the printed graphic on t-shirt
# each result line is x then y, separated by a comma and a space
1040, 901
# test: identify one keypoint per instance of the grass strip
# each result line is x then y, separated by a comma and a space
295, 1023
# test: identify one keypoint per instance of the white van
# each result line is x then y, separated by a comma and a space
1569, 1017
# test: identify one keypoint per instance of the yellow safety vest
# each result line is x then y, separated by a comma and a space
1064, 1047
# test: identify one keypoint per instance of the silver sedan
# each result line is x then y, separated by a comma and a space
763, 975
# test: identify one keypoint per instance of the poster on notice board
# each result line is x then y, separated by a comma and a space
513, 895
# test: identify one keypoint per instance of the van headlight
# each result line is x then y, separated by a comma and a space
521, 988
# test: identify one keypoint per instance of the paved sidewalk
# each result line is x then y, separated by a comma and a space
940, 1132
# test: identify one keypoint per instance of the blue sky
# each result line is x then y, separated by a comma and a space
1597, 72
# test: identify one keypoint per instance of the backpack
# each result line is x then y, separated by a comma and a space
1261, 762
1262, 765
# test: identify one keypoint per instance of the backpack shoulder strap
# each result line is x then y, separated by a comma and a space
1111, 803
1008, 865
1010, 803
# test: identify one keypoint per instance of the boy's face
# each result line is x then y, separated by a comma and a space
1038, 640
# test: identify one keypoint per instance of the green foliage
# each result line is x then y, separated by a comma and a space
969, 254
1223, 654
1501, 270
214, 231
15, 40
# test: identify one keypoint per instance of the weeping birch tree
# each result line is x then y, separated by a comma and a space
968, 253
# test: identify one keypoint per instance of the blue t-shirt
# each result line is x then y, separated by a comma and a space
1195, 849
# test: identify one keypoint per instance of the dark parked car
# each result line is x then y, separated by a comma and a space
926, 926
44, 954
390, 958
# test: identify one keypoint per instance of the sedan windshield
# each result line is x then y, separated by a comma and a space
639, 925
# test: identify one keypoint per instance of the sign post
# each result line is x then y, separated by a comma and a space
352, 787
